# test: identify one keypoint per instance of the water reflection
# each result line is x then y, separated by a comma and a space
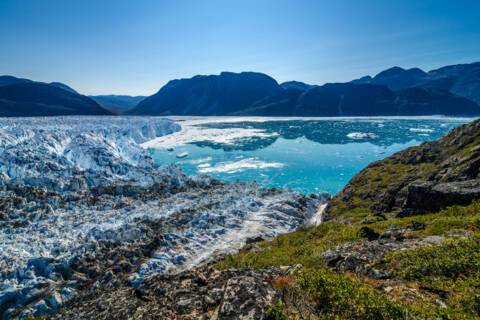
308, 156
384, 132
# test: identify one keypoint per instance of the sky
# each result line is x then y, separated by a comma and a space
135, 47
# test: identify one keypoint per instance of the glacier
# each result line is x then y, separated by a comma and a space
82, 205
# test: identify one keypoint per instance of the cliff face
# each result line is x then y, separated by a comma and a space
429, 177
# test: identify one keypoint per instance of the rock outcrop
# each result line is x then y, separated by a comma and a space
362, 257
203, 293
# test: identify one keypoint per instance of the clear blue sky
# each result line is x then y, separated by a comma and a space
135, 47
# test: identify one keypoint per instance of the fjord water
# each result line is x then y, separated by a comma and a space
309, 156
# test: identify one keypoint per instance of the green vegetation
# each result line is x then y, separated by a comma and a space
276, 312
377, 179
451, 269
301, 247
450, 260
335, 296
429, 282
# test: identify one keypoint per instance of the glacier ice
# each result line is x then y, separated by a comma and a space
82, 203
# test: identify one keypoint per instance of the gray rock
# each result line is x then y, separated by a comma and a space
246, 297
431, 197
361, 257
394, 232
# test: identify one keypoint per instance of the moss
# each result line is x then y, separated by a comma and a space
366, 190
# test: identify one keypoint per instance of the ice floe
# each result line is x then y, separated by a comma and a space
422, 130
361, 135
238, 166
193, 131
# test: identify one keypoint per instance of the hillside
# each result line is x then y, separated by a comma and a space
29, 98
461, 79
426, 178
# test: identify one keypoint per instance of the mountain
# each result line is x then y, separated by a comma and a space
394, 92
209, 95
460, 79
280, 104
296, 85
63, 86
451, 90
397, 78
348, 99
117, 104
465, 79
30, 98
362, 80
8, 80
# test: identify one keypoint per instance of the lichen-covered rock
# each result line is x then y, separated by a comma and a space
201, 293
360, 257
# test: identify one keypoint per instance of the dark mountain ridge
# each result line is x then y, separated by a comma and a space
460, 79
451, 91
209, 95
296, 85
23, 97
396, 91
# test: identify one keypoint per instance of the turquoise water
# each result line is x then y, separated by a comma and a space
307, 156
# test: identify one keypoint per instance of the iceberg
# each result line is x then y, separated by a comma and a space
182, 154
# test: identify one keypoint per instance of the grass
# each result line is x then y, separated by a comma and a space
300, 247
